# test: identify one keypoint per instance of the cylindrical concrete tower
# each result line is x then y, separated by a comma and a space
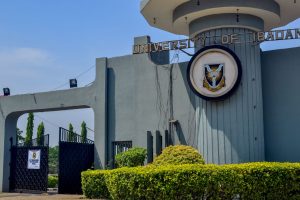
231, 130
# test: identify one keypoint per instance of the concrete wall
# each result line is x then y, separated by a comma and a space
281, 94
231, 131
139, 100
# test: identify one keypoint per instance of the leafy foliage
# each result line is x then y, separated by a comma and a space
53, 160
40, 134
71, 133
132, 158
20, 138
94, 185
177, 155
29, 129
83, 132
52, 181
168, 182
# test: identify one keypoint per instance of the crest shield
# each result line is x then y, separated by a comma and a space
214, 78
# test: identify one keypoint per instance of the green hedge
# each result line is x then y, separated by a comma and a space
52, 181
179, 155
247, 181
132, 158
94, 184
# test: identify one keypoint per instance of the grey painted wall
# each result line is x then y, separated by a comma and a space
281, 94
139, 100
231, 131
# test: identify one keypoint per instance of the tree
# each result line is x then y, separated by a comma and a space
53, 160
20, 138
83, 132
40, 134
29, 129
71, 136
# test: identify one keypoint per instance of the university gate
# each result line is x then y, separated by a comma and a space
76, 154
29, 166
29, 163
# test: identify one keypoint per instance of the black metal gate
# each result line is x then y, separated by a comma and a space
22, 176
76, 154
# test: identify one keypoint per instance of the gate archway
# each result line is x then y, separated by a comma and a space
93, 96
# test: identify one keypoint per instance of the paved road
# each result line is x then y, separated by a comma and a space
18, 196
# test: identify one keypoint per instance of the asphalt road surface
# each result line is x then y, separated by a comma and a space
22, 196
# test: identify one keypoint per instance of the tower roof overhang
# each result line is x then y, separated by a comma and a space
175, 15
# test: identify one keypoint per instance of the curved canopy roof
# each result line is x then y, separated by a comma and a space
175, 15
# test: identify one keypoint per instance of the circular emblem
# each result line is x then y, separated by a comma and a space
214, 72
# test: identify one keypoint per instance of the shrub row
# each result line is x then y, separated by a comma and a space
132, 158
52, 181
94, 183
179, 155
244, 181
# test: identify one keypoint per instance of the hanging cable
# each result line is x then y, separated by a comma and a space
237, 15
186, 53
49, 122
79, 75
90, 129
56, 125
175, 57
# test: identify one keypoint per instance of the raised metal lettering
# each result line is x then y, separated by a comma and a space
289, 35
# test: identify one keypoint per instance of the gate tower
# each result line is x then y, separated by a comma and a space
232, 130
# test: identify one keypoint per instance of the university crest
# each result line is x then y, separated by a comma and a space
214, 78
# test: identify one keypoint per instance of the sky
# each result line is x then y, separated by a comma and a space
45, 43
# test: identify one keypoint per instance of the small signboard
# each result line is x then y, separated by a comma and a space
34, 159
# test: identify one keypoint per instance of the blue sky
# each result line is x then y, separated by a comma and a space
44, 43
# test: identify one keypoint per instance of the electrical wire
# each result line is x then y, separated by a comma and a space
49, 122
79, 75
56, 125
89, 84
90, 129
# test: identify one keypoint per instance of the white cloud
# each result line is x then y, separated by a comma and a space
16, 56
23, 67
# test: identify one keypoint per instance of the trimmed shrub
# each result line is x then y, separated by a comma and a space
94, 184
178, 155
52, 181
132, 158
247, 181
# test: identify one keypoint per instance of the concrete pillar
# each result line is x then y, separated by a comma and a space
231, 131
8, 124
149, 147
100, 113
